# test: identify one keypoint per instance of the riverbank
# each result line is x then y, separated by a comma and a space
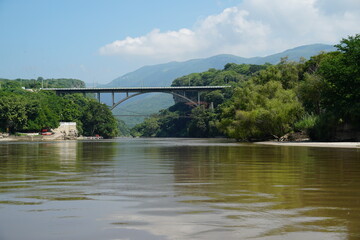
39, 138
36, 138
274, 143
313, 144
31, 138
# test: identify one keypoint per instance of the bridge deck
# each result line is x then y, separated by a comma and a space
134, 89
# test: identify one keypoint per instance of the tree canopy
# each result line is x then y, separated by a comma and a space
40, 82
25, 111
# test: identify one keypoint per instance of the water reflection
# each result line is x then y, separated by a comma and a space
275, 190
178, 189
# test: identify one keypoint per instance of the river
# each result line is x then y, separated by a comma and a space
177, 189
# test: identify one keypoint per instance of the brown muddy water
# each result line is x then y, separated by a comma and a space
177, 189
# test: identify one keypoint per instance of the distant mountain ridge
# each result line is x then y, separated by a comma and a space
164, 74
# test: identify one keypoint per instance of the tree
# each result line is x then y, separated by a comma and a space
286, 72
203, 123
215, 97
98, 119
12, 113
341, 73
260, 112
148, 128
310, 92
123, 129
40, 115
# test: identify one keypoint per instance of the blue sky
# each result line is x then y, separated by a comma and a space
97, 41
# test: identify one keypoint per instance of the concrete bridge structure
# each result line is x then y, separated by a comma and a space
135, 91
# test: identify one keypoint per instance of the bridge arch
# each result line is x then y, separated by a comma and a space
137, 94
174, 90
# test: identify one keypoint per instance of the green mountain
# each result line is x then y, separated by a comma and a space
164, 74
295, 54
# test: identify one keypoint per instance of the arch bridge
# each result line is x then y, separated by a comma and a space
135, 91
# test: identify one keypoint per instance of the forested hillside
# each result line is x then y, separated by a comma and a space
163, 75
320, 96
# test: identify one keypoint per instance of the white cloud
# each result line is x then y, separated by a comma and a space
253, 28
154, 43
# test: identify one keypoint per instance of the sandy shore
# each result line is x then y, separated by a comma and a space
313, 144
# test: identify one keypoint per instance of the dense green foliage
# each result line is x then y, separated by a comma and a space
98, 119
260, 111
320, 96
40, 82
124, 130
335, 80
26, 111
169, 122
